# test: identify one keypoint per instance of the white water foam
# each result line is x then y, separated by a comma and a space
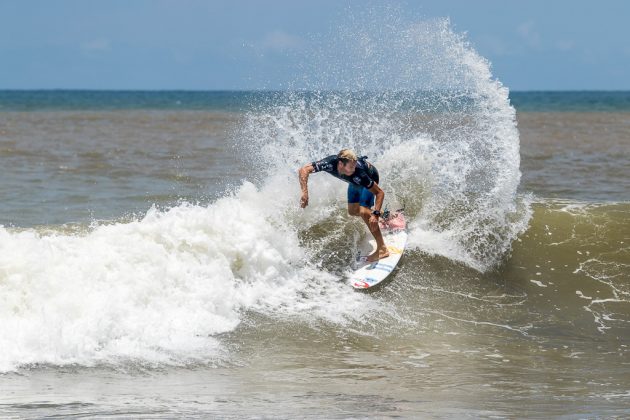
158, 289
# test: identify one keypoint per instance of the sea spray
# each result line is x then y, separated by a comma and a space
423, 105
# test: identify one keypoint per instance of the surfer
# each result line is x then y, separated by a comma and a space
362, 178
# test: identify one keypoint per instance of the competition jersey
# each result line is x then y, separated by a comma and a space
364, 175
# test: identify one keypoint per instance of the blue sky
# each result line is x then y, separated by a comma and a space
247, 44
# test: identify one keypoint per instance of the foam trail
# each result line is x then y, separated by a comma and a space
158, 289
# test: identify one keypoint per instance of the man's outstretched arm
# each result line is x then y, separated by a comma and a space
303, 174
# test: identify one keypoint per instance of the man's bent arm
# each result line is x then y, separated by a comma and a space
380, 196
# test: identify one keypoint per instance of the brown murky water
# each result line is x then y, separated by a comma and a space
547, 333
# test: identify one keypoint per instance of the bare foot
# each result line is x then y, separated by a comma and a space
378, 254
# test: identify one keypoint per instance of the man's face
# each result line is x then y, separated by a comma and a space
347, 168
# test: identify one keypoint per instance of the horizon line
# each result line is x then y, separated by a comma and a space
152, 90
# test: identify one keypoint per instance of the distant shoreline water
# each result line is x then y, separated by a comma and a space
243, 100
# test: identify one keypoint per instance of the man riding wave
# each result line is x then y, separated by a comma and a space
362, 178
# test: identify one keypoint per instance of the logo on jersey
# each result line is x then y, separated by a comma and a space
323, 166
357, 180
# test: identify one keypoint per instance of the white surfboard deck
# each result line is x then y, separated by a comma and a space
368, 274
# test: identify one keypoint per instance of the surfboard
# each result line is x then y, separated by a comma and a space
368, 274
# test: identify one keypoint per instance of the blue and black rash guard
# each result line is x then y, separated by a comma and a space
364, 175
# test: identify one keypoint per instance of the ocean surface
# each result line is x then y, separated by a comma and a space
155, 263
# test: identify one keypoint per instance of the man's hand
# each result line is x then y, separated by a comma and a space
304, 200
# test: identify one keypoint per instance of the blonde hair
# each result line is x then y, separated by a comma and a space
347, 155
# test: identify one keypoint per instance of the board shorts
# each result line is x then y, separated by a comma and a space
361, 195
